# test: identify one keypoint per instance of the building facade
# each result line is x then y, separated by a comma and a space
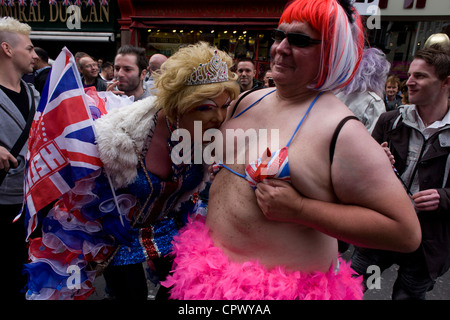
242, 28
80, 25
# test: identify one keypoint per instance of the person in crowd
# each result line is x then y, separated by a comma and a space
42, 68
363, 95
18, 101
246, 72
100, 63
90, 75
268, 79
130, 68
154, 65
78, 55
404, 92
416, 136
441, 39
392, 97
107, 72
138, 145
273, 222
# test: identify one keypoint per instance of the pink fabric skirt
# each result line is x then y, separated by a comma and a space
202, 271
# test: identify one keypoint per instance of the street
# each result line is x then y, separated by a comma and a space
441, 290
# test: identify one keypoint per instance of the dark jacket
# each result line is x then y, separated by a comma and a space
40, 78
100, 84
432, 168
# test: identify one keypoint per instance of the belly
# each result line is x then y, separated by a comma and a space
241, 230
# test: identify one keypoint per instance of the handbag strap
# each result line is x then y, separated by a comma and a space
15, 150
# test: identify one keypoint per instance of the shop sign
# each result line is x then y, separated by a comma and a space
61, 15
217, 11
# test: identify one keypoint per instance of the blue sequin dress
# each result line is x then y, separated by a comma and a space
161, 219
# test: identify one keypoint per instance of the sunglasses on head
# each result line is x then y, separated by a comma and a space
295, 39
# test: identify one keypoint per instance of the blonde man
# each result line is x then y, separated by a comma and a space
16, 99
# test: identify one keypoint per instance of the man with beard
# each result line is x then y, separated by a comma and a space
130, 68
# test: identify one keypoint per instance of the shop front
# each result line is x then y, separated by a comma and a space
240, 28
80, 25
401, 27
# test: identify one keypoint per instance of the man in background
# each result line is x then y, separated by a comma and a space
130, 69
154, 64
107, 72
42, 68
418, 137
89, 73
246, 74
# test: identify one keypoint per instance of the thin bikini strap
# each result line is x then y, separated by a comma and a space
231, 170
253, 104
301, 121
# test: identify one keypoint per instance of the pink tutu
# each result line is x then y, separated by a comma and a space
203, 272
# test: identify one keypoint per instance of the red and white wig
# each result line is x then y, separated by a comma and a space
342, 38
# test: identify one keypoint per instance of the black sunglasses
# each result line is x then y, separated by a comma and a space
295, 39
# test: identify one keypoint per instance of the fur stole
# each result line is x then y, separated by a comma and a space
117, 134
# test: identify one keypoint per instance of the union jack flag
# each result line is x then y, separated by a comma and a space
61, 145
11, 3
22, 3
66, 3
104, 2
90, 3
269, 166
77, 3
53, 2
33, 3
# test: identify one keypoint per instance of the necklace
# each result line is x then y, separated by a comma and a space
141, 211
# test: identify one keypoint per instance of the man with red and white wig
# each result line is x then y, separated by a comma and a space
278, 239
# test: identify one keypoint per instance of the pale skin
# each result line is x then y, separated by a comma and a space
357, 199
246, 72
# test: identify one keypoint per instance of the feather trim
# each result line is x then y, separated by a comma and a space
117, 132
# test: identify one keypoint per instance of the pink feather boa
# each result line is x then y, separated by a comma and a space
203, 272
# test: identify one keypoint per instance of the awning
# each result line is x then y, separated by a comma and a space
72, 36
256, 24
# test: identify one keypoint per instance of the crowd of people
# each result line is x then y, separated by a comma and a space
359, 158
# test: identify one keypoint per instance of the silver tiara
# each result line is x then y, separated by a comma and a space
212, 72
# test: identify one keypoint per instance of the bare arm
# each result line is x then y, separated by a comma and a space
374, 210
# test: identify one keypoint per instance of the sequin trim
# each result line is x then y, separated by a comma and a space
147, 241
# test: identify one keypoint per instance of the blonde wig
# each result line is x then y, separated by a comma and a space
173, 93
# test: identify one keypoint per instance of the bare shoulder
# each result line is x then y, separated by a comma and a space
360, 164
245, 99
331, 110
